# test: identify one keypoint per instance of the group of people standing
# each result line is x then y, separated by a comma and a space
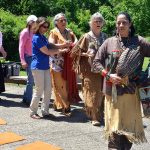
103, 64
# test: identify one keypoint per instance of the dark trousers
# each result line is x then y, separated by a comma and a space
119, 142
2, 85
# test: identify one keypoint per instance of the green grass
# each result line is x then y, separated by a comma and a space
146, 62
23, 73
148, 38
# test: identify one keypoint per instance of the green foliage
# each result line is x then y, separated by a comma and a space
78, 12
109, 17
148, 38
83, 17
11, 25
146, 62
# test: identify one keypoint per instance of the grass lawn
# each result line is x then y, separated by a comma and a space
146, 62
22, 73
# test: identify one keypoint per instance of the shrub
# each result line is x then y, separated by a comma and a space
11, 26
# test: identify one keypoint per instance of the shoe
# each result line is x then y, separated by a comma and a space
67, 112
35, 116
95, 123
25, 102
56, 109
49, 116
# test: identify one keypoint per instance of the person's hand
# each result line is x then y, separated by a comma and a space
88, 54
67, 44
65, 50
115, 79
24, 65
4, 54
84, 54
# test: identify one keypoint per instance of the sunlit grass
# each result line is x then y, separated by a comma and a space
22, 73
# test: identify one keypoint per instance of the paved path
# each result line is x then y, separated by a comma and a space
75, 133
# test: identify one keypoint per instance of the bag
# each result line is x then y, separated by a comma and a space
10, 69
129, 61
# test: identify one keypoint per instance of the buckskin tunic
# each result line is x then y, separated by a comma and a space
122, 117
91, 82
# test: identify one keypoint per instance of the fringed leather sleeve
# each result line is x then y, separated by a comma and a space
80, 47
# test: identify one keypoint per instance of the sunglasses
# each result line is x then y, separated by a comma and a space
46, 27
62, 20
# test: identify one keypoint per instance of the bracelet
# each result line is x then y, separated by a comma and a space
104, 73
107, 77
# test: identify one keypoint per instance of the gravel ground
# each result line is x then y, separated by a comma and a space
74, 133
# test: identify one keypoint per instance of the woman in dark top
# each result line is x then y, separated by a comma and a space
117, 60
4, 54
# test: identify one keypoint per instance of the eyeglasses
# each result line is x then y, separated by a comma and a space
62, 20
46, 27
98, 21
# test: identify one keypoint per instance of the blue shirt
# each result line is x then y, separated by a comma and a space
39, 60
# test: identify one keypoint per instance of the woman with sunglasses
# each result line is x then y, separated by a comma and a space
41, 50
118, 60
83, 54
63, 77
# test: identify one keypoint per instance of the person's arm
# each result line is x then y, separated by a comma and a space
1, 38
3, 52
22, 42
50, 49
58, 48
63, 47
1, 46
145, 46
99, 65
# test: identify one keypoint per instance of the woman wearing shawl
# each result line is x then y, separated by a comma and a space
117, 60
83, 54
63, 77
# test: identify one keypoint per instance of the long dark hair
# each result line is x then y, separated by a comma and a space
40, 21
132, 29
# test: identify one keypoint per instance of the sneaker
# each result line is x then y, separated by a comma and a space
35, 116
95, 123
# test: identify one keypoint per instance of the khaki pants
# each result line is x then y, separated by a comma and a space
42, 87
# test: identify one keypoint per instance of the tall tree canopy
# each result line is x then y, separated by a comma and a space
78, 12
